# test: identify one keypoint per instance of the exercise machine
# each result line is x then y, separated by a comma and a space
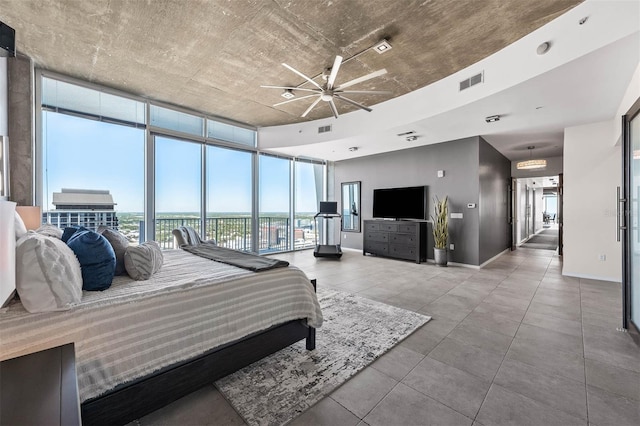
328, 211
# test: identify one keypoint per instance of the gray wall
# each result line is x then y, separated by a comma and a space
418, 166
474, 173
493, 206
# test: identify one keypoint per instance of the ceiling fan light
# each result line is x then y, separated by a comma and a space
288, 94
531, 164
326, 97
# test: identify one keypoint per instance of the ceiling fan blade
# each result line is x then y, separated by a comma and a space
334, 110
292, 88
294, 99
311, 107
334, 71
365, 92
302, 75
354, 103
363, 78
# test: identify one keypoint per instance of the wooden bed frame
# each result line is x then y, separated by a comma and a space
135, 399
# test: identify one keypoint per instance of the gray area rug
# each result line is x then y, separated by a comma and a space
547, 239
355, 332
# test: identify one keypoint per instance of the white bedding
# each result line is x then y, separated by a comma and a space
137, 327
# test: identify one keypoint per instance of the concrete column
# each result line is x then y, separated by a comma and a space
21, 133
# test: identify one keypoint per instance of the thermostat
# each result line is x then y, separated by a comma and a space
471, 205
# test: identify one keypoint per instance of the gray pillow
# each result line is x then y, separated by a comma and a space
142, 261
119, 243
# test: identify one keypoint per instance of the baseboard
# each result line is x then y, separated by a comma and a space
591, 277
505, 251
464, 265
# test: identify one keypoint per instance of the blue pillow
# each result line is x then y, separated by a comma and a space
69, 231
97, 259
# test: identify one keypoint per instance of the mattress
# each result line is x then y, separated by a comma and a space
135, 328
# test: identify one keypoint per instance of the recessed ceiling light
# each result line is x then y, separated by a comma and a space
411, 138
583, 20
382, 47
543, 48
492, 118
288, 94
410, 132
539, 107
353, 148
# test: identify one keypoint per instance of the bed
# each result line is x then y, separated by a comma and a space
143, 344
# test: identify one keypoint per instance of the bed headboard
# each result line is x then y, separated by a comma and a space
7, 251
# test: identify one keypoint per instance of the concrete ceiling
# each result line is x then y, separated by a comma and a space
582, 79
212, 56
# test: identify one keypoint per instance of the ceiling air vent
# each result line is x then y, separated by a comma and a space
472, 81
324, 129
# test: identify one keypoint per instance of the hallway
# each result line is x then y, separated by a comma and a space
547, 239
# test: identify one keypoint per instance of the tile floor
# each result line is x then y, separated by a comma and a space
514, 343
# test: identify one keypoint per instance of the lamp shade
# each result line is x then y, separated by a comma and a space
31, 216
531, 164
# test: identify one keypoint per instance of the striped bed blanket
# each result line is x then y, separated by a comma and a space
138, 327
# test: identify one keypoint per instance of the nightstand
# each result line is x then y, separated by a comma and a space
40, 388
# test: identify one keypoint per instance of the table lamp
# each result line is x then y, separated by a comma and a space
31, 216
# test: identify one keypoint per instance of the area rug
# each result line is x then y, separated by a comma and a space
355, 332
547, 239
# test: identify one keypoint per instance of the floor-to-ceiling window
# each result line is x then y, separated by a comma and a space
309, 191
229, 179
156, 167
275, 203
92, 155
178, 191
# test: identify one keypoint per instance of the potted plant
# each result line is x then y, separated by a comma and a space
440, 220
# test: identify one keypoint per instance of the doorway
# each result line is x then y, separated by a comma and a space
537, 220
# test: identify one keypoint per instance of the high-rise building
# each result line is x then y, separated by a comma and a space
82, 207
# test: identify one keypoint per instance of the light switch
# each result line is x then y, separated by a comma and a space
440, 173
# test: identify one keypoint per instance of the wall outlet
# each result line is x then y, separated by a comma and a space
345, 236
602, 257
451, 247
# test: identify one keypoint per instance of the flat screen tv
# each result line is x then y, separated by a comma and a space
400, 203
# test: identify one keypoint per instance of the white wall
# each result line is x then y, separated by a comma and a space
630, 96
539, 209
592, 171
4, 103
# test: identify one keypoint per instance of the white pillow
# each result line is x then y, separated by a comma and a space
21, 229
50, 231
48, 275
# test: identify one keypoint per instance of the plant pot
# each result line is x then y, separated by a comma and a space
440, 256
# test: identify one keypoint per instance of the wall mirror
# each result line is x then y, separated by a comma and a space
351, 206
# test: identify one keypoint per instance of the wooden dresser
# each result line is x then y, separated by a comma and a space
398, 239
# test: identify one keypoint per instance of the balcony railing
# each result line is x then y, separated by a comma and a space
235, 232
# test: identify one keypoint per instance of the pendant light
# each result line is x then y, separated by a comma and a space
531, 164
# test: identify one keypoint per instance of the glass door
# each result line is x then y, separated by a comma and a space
178, 193
629, 222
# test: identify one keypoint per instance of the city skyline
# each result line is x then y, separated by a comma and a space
87, 154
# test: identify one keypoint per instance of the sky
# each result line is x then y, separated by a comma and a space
85, 154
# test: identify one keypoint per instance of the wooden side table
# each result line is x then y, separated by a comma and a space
40, 388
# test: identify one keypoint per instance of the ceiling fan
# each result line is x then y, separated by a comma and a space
328, 92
